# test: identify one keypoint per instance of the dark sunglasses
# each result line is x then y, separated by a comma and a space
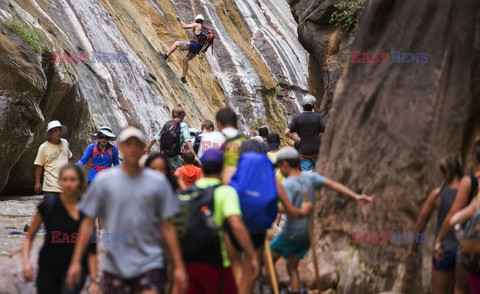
102, 137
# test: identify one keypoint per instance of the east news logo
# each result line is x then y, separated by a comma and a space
394, 237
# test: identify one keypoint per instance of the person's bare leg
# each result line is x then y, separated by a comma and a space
173, 48
185, 66
292, 268
461, 280
246, 285
235, 261
441, 281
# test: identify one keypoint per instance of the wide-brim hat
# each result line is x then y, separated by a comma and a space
107, 132
55, 124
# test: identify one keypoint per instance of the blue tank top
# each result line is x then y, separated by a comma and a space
447, 197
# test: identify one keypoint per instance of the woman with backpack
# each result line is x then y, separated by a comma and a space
101, 154
467, 190
442, 198
62, 219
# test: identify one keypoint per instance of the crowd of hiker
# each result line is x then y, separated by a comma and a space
191, 217
455, 262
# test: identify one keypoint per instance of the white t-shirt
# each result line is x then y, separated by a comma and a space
210, 140
52, 157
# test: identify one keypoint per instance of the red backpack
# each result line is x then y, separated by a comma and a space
96, 152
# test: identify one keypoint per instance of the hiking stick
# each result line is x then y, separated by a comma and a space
271, 266
310, 233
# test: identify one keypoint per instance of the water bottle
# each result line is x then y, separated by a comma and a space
209, 221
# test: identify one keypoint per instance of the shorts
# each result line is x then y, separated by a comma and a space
186, 46
47, 195
447, 263
257, 239
307, 164
205, 278
286, 248
149, 280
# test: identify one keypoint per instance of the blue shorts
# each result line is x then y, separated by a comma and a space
447, 263
307, 164
286, 247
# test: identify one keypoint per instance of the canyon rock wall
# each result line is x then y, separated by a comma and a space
257, 67
389, 125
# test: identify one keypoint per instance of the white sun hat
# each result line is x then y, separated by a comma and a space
199, 17
107, 131
55, 124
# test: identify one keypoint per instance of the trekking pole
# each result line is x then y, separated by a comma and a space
271, 266
310, 233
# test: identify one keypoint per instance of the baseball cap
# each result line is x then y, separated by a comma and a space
199, 17
309, 99
130, 132
287, 153
212, 160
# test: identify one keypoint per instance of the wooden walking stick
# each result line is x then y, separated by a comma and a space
310, 233
271, 266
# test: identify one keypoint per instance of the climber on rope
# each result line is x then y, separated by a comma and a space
202, 39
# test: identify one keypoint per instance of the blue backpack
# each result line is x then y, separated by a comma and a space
255, 183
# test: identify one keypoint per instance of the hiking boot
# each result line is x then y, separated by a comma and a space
184, 80
165, 56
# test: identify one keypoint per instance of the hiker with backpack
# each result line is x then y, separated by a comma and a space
207, 208
171, 137
202, 39
259, 193
52, 155
101, 154
293, 241
62, 219
134, 202
308, 125
444, 275
467, 190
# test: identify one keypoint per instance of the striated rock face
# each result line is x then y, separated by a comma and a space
20, 96
257, 67
389, 125
328, 47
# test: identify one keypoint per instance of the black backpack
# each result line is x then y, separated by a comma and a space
196, 228
470, 242
170, 138
196, 143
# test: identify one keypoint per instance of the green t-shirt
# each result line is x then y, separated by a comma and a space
225, 204
232, 151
